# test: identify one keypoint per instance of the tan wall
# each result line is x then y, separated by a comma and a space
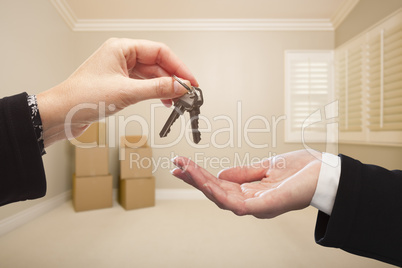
41, 51
386, 156
231, 67
364, 15
36, 53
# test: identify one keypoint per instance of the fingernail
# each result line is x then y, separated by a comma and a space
174, 162
219, 173
174, 170
179, 89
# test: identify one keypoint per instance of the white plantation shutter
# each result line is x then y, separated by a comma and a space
341, 75
385, 80
308, 88
368, 82
374, 82
349, 87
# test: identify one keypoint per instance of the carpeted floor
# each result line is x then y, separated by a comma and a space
172, 234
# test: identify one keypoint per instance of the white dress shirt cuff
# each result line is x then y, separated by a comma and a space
327, 185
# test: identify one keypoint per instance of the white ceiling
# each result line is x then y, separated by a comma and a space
238, 15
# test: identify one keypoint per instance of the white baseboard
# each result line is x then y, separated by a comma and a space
179, 194
23, 217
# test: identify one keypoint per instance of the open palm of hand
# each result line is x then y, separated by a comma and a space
265, 190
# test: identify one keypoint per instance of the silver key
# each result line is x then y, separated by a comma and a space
177, 111
194, 115
181, 104
189, 102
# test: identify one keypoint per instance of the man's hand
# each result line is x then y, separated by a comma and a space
265, 190
120, 73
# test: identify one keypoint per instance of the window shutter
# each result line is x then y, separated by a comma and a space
308, 88
371, 110
374, 82
349, 88
340, 87
386, 90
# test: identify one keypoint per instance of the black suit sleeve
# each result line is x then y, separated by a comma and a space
22, 175
367, 215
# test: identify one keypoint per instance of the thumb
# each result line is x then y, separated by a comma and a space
243, 174
157, 88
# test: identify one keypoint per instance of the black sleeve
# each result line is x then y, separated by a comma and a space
22, 175
367, 215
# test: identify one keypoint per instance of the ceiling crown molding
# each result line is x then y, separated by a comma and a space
342, 12
202, 25
190, 24
65, 12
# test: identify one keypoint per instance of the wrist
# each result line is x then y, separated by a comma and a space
60, 119
52, 115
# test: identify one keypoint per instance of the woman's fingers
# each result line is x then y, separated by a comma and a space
153, 53
226, 195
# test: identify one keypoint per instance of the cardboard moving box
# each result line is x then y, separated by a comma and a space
135, 157
95, 134
91, 161
133, 141
137, 193
92, 192
137, 163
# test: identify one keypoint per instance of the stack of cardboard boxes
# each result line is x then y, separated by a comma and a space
92, 183
137, 185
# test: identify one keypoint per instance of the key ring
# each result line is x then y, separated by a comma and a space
182, 83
